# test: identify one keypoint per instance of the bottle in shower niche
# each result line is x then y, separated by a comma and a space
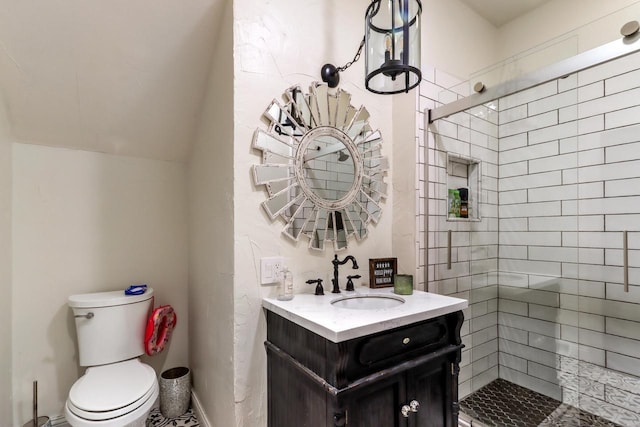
464, 202
285, 293
454, 203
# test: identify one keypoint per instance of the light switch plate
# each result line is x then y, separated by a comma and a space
270, 268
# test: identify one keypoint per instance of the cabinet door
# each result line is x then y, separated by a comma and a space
294, 399
430, 386
378, 404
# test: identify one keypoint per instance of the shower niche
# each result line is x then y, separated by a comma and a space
464, 178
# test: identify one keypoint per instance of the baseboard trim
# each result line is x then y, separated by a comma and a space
197, 409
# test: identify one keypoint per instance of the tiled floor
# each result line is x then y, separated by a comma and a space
157, 420
504, 404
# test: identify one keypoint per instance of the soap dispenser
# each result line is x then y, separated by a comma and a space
285, 293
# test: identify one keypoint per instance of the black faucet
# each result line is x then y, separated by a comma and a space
350, 282
319, 290
336, 263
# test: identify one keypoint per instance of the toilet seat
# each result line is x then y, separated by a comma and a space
119, 412
112, 391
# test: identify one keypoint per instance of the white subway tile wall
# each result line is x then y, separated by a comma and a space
543, 269
474, 252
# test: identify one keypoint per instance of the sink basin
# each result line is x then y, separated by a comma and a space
368, 302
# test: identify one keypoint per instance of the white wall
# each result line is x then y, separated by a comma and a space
570, 27
86, 222
211, 228
406, 222
279, 44
5, 264
455, 39
590, 22
461, 43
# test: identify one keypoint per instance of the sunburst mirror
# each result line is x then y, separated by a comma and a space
322, 166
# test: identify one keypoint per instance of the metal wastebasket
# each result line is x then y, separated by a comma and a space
175, 392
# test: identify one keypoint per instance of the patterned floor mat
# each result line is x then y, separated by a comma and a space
157, 420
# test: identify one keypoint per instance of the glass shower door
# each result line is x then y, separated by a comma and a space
538, 255
463, 229
551, 263
608, 368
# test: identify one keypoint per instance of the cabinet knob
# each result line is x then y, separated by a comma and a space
405, 410
413, 406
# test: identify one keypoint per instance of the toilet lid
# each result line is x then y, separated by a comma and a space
109, 387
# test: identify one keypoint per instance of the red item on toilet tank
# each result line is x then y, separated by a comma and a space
159, 328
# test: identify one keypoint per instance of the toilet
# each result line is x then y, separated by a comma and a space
117, 389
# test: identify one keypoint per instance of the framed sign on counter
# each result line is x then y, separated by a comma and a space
381, 272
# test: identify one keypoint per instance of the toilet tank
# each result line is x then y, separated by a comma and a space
115, 330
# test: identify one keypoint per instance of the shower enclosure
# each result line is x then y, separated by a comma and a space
548, 255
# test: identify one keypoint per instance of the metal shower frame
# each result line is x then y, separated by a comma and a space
599, 55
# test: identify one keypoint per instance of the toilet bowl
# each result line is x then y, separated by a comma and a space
115, 395
117, 389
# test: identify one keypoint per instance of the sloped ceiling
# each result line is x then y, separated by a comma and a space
122, 76
118, 76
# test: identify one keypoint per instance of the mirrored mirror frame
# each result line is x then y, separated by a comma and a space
293, 128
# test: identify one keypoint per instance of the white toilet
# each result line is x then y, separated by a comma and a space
117, 390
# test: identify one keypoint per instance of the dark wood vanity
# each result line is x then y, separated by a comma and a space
401, 377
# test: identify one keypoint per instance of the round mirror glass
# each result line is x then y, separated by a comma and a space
328, 168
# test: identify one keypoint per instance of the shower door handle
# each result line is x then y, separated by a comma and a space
625, 260
449, 250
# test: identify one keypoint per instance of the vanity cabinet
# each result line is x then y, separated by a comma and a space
402, 377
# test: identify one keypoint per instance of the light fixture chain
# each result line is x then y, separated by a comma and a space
355, 58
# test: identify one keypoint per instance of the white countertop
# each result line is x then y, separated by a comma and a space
317, 314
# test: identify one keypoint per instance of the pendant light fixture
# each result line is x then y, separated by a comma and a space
392, 53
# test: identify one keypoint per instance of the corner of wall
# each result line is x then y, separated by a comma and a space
199, 410
211, 239
405, 158
6, 243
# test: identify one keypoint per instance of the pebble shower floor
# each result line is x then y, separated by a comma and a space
505, 404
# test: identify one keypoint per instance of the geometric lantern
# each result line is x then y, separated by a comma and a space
392, 34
